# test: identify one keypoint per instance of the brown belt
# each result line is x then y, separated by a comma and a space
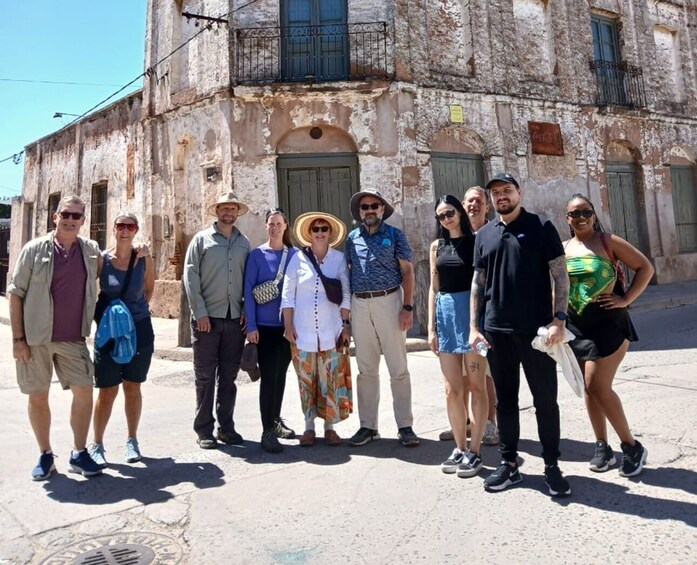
376, 293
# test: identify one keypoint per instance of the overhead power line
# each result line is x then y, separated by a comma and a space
37, 81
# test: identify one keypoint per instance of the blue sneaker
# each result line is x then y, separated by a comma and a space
44, 468
96, 451
132, 450
84, 465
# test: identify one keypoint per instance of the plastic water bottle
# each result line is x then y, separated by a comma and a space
482, 348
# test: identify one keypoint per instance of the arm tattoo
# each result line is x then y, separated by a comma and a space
477, 297
557, 268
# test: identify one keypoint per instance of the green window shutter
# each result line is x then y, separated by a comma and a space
685, 207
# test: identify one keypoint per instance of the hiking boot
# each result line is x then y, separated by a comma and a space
407, 437
83, 464
363, 436
505, 475
132, 452
282, 431
450, 465
44, 467
603, 459
207, 442
470, 465
633, 459
270, 443
229, 437
491, 434
555, 481
97, 451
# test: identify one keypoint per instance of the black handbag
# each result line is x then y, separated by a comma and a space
332, 287
103, 300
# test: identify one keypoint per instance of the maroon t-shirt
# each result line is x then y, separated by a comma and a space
68, 292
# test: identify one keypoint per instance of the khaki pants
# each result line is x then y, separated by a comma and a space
375, 328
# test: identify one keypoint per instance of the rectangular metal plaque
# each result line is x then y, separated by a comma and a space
545, 138
457, 116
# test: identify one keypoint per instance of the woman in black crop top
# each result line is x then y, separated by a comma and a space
451, 259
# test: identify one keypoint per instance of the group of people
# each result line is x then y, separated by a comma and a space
301, 305
493, 283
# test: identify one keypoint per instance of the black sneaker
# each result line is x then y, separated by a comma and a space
407, 437
282, 431
229, 437
555, 481
505, 475
207, 442
84, 465
633, 459
603, 459
270, 443
44, 468
451, 464
363, 436
470, 466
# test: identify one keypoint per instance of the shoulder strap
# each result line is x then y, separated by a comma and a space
311, 257
129, 272
282, 266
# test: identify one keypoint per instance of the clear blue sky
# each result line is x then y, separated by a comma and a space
83, 41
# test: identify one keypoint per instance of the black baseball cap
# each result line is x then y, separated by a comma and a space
502, 177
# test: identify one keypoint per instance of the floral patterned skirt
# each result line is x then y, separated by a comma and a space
324, 379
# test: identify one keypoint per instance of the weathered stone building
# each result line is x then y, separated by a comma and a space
302, 102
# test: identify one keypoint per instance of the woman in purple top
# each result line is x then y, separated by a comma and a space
265, 327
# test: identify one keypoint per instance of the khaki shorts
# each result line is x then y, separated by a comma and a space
71, 360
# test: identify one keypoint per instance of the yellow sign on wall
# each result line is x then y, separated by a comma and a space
456, 114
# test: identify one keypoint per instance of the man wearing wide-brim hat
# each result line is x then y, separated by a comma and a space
382, 286
214, 284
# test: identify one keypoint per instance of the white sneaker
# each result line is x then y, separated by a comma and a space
491, 434
451, 464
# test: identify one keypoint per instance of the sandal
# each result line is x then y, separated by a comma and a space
308, 438
331, 438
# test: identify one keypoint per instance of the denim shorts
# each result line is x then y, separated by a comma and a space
453, 321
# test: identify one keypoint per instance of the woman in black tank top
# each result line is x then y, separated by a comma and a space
451, 260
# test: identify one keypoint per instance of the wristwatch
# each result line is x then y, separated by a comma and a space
408, 307
561, 316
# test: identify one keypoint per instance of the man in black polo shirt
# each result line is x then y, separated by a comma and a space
514, 256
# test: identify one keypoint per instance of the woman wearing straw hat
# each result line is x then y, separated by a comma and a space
316, 327
269, 262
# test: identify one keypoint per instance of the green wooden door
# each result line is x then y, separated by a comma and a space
317, 183
624, 203
685, 207
454, 173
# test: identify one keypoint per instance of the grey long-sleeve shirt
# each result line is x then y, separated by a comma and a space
214, 273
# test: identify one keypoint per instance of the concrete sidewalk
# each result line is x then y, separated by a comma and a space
655, 297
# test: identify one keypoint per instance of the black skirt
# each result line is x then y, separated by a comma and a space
599, 331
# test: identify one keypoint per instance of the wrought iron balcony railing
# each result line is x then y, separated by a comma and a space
619, 84
355, 51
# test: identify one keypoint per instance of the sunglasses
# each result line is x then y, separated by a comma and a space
70, 215
445, 215
317, 229
576, 214
373, 206
130, 227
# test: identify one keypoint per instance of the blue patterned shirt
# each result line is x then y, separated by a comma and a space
374, 258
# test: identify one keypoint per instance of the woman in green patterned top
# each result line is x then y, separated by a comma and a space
599, 319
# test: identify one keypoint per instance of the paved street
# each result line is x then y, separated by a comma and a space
381, 503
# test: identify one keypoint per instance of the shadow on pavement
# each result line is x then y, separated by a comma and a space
144, 482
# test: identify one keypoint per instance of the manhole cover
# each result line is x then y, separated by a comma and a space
134, 548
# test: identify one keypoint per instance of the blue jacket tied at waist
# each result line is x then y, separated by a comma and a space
117, 325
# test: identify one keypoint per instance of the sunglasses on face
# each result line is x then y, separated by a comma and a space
70, 215
130, 227
317, 229
576, 214
445, 215
373, 206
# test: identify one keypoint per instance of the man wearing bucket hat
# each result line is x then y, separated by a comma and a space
214, 281
382, 283
514, 256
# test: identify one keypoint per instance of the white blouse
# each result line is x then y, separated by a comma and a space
317, 320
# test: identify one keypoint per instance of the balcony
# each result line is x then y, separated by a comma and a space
356, 51
619, 84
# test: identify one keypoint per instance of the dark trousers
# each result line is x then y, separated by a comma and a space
217, 356
508, 351
274, 358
